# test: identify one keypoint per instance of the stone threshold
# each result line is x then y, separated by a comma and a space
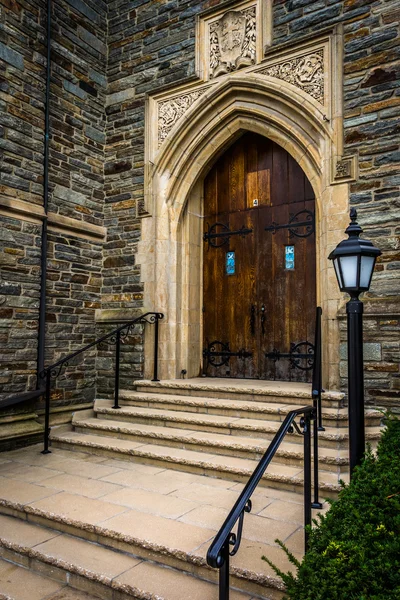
258, 387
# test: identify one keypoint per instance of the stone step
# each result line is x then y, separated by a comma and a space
18, 581
48, 559
269, 411
241, 389
289, 452
145, 513
212, 406
278, 476
332, 437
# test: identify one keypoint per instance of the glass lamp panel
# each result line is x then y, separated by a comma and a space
367, 267
349, 266
337, 270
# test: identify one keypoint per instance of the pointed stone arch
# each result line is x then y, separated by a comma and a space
170, 252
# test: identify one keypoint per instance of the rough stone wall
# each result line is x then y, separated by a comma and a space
151, 44
19, 301
78, 96
78, 89
381, 358
106, 57
22, 80
131, 359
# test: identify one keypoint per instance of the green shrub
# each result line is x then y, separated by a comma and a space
354, 550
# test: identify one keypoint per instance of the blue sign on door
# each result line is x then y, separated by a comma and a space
289, 258
230, 263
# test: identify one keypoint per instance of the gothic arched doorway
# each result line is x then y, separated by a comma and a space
259, 263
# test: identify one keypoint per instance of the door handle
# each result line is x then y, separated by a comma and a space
253, 319
263, 317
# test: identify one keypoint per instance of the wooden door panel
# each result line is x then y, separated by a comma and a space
237, 197
243, 291
279, 176
255, 184
227, 297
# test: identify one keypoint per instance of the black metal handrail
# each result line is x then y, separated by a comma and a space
220, 550
115, 337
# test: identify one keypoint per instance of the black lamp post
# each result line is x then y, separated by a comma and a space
354, 261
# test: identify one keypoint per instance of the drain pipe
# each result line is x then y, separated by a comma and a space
43, 261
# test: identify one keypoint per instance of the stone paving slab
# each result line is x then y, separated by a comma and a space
18, 583
173, 585
104, 571
171, 512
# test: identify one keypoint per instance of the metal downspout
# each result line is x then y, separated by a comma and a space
43, 262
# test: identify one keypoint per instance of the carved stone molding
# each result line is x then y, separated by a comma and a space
170, 111
305, 72
233, 41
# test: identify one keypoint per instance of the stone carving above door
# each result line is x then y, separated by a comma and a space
233, 41
305, 72
232, 35
170, 111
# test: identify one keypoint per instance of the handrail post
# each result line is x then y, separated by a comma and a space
317, 404
155, 374
47, 414
318, 350
224, 573
117, 361
316, 503
307, 476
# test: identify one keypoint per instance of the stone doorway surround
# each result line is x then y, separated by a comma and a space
293, 96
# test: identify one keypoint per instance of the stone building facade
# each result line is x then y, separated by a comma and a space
133, 82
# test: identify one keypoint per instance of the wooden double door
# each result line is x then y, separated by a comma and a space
259, 264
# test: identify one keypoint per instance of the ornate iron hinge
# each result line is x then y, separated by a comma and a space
304, 218
218, 353
212, 235
301, 355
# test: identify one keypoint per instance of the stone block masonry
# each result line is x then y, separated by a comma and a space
151, 44
73, 292
131, 361
78, 94
19, 303
77, 121
381, 358
106, 56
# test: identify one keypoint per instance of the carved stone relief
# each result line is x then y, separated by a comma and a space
345, 169
233, 41
305, 72
170, 111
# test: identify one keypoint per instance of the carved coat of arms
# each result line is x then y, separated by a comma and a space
233, 41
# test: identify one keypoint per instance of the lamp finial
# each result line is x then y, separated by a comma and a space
353, 229
353, 215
